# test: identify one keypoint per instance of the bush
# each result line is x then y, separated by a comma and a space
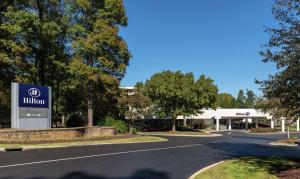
134, 130
182, 128
121, 126
75, 120
294, 137
262, 130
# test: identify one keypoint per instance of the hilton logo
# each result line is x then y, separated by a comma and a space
34, 93
243, 114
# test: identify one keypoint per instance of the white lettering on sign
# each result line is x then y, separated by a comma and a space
32, 101
34, 93
243, 114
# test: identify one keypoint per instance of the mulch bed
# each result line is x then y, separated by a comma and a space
123, 136
290, 174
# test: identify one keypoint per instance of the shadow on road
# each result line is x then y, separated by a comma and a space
232, 150
141, 174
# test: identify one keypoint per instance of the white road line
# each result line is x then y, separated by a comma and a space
99, 155
216, 142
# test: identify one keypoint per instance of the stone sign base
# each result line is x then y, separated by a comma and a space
56, 134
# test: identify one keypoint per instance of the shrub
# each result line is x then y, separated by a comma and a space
294, 137
134, 130
262, 130
182, 128
75, 120
121, 126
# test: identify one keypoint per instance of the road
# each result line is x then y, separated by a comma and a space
178, 158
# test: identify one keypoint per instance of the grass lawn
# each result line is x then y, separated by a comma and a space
249, 168
292, 129
97, 142
179, 132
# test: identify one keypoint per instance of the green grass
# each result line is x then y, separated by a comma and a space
66, 144
249, 168
292, 129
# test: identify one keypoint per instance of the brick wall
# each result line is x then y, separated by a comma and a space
56, 134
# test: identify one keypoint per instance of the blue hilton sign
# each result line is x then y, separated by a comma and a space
33, 96
30, 106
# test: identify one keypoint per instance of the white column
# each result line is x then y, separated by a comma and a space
246, 123
256, 123
184, 122
272, 124
229, 124
217, 124
282, 125
298, 125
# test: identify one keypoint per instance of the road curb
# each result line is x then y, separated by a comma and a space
272, 133
181, 135
283, 144
82, 145
204, 169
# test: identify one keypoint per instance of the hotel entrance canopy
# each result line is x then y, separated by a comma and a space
221, 113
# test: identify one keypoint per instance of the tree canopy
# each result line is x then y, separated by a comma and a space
226, 100
177, 93
283, 50
72, 46
134, 104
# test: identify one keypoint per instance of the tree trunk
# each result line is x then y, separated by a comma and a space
130, 128
41, 52
288, 131
90, 113
174, 124
63, 120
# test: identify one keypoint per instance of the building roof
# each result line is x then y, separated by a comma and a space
228, 113
128, 87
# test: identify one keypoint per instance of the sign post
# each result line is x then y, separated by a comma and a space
30, 106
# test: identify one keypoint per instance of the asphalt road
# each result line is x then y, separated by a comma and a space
178, 158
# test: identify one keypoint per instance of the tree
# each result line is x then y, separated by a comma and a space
206, 94
72, 46
250, 99
241, 99
283, 50
274, 107
134, 104
32, 44
100, 55
226, 100
176, 93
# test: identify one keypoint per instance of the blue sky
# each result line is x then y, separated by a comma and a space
218, 38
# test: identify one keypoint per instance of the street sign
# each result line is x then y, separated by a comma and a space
31, 106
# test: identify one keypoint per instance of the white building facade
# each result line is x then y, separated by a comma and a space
228, 116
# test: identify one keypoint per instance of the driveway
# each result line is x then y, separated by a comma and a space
178, 158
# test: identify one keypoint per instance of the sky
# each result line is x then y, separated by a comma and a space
218, 38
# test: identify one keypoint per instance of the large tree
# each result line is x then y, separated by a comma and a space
176, 93
283, 49
32, 44
250, 99
241, 99
226, 100
134, 105
274, 107
100, 55
72, 46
